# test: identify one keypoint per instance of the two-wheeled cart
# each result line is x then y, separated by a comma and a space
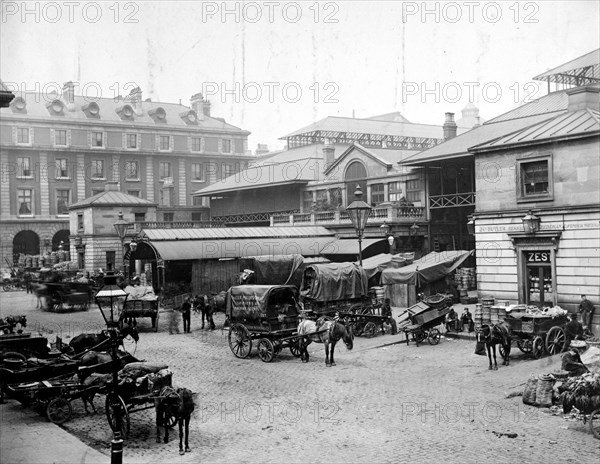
424, 318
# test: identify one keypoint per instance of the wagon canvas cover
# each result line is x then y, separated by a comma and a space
252, 301
429, 268
334, 281
274, 269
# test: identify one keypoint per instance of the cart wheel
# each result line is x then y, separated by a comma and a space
595, 423
556, 341
59, 410
295, 348
117, 415
240, 342
433, 337
266, 350
419, 336
370, 330
537, 347
525, 346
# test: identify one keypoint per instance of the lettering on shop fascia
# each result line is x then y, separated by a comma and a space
543, 239
556, 227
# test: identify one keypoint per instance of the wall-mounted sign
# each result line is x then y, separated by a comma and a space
538, 256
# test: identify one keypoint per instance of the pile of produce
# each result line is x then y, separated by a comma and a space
581, 392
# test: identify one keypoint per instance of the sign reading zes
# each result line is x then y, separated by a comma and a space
538, 256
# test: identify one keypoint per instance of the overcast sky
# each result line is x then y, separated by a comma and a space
274, 67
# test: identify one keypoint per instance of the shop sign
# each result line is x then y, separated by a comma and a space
538, 256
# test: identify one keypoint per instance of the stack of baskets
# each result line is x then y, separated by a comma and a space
486, 310
477, 317
543, 392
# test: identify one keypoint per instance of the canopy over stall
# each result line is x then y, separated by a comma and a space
429, 268
334, 281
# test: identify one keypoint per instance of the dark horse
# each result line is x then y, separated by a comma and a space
498, 334
323, 331
177, 403
84, 342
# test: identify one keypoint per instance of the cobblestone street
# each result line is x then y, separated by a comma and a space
396, 403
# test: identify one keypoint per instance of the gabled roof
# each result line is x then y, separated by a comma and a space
584, 70
112, 198
235, 233
36, 107
585, 122
368, 153
396, 116
369, 126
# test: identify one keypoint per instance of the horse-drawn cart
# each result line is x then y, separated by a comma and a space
141, 302
267, 313
64, 296
538, 333
423, 319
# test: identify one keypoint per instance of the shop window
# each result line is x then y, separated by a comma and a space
377, 194
534, 178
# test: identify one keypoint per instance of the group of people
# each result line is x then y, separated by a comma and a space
199, 304
459, 324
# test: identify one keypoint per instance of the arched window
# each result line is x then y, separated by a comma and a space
26, 242
356, 174
61, 236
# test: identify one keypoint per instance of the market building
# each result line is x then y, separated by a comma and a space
58, 149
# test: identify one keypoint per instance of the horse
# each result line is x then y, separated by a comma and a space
41, 293
177, 403
323, 331
498, 334
84, 342
93, 383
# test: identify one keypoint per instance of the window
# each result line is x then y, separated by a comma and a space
133, 193
97, 139
226, 147
164, 170
196, 144
132, 170
307, 201
165, 142
395, 191
197, 201
80, 222
197, 172
131, 140
413, 190
62, 171
60, 137
377, 194
22, 135
24, 166
139, 217
535, 180
97, 169
24, 202
62, 201
196, 216
110, 260
168, 217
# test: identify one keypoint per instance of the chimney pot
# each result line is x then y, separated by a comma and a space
449, 127
581, 98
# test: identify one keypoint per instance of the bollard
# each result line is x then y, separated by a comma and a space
116, 449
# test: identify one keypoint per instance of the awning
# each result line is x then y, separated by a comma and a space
376, 263
350, 246
172, 250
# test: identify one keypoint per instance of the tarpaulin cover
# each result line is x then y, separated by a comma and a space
273, 269
260, 301
429, 268
376, 263
334, 281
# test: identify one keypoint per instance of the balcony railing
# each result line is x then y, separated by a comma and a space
389, 214
137, 226
452, 200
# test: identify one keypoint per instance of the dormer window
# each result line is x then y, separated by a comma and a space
55, 108
19, 105
125, 112
189, 117
91, 110
158, 114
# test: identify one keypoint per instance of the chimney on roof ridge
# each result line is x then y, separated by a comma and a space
200, 105
581, 98
68, 94
111, 186
135, 98
328, 155
449, 127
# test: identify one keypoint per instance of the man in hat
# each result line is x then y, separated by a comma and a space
586, 309
571, 361
573, 329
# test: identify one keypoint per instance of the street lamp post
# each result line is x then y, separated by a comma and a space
108, 298
121, 227
359, 211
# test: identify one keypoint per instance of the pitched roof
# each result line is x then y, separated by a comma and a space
396, 116
369, 126
584, 70
583, 122
111, 198
36, 107
550, 103
236, 233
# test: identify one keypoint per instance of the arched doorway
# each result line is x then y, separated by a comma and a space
62, 236
26, 242
145, 259
356, 174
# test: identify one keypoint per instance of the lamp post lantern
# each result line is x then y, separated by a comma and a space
531, 223
359, 211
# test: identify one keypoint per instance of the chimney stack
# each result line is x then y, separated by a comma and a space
449, 127
328, 155
68, 93
135, 98
581, 98
200, 105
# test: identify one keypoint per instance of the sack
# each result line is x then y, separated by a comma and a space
480, 348
543, 393
530, 391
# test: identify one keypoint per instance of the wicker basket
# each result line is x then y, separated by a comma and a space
530, 391
561, 375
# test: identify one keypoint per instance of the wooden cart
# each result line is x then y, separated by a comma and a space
538, 333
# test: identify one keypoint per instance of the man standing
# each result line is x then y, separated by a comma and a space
186, 308
586, 309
